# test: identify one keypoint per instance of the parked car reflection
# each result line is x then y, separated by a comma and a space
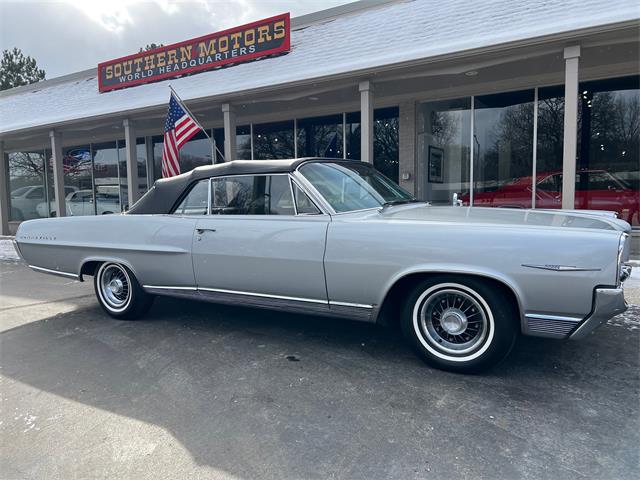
595, 190
81, 202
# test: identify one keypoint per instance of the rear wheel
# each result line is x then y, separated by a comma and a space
460, 324
119, 293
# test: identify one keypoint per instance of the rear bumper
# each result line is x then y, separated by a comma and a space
607, 303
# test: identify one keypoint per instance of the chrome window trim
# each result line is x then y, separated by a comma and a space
311, 191
293, 197
295, 183
211, 179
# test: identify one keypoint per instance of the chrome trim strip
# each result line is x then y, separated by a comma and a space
159, 287
347, 304
562, 268
552, 317
54, 272
264, 295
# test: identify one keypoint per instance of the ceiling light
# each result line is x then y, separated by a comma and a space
471, 73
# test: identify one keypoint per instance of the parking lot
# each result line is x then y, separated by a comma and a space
204, 391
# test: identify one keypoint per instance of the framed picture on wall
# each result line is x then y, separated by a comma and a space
436, 164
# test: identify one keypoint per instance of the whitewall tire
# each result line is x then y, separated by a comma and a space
462, 324
119, 293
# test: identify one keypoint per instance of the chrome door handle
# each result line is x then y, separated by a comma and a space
200, 231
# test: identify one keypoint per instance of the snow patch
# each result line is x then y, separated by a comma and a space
7, 250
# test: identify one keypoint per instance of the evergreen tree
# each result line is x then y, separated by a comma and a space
17, 69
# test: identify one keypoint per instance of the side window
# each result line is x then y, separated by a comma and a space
303, 203
252, 195
195, 203
552, 183
36, 193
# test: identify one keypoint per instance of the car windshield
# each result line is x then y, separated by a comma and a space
353, 186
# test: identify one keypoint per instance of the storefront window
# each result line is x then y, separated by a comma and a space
218, 138
243, 143
549, 147
608, 162
141, 153
106, 178
503, 149
385, 142
444, 132
273, 140
77, 167
353, 135
28, 193
196, 152
320, 137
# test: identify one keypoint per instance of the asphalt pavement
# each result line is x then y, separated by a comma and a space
203, 391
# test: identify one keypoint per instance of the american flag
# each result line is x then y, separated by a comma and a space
178, 129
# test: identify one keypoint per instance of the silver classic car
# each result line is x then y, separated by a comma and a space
337, 238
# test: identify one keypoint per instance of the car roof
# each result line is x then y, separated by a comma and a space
166, 192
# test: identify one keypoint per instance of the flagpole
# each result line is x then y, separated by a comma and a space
195, 119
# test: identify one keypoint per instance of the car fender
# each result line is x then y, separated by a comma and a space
461, 270
102, 259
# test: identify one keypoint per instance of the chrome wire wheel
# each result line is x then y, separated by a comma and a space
453, 322
114, 287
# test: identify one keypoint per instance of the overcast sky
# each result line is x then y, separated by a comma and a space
72, 35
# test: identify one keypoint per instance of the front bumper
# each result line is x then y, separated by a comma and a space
607, 303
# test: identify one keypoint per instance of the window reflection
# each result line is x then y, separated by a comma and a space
609, 147
503, 149
106, 179
243, 143
273, 140
320, 137
27, 185
77, 167
443, 149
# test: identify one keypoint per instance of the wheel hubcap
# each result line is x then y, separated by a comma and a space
114, 286
453, 321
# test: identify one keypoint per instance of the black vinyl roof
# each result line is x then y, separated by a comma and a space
166, 192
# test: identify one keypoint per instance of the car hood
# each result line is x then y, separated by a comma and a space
506, 216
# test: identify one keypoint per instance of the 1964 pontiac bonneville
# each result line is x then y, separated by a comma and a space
337, 238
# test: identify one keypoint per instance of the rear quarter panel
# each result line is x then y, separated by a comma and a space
365, 257
156, 248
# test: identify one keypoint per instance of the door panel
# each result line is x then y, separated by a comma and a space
266, 254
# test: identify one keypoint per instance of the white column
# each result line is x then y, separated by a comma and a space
4, 192
230, 151
407, 148
366, 121
58, 173
572, 56
132, 162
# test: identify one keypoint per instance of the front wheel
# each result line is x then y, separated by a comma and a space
119, 293
460, 324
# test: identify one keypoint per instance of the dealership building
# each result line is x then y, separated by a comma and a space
526, 104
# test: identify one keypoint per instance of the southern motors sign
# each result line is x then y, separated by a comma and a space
236, 45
